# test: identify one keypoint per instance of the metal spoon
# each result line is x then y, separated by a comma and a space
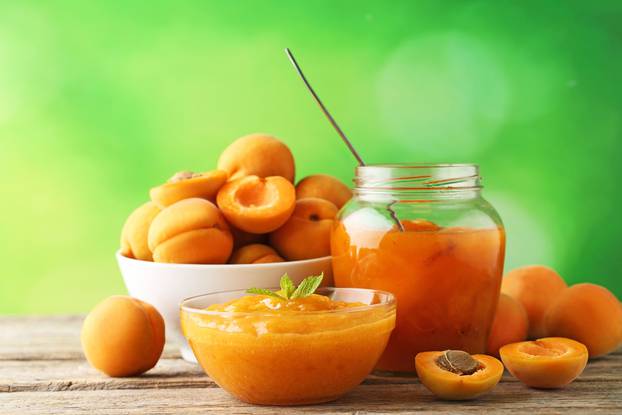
332, 121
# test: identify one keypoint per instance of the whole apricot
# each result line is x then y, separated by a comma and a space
256, 204
590, 314
191, 231
123, 336
184, 185
510, 324
135, 230
536, 287
307, 232
324, 187
548, 363
255, 254
259, 155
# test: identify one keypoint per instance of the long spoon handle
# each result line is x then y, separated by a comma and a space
324, 110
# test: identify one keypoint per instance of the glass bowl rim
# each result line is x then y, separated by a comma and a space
390, 302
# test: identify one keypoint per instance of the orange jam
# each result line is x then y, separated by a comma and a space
446, 282
271, 351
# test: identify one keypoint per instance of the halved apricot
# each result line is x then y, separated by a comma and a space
257, 205
191, 231
456, 375
184, 185
324, 187
548, 363
307, 232
255, 254
259, 155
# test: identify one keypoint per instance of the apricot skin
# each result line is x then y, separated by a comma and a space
205, 186
324, 187
510, 325
255, 254
257, 205
590, 314
307, 232
536, 287
135, 230
547, 363
123, 336
257, 154
451, 386
191, 231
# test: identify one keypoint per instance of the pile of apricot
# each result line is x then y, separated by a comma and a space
246, 211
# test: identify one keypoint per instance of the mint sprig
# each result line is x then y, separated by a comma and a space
289, 291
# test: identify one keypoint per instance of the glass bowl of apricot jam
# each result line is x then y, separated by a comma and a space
268, 351
425, 233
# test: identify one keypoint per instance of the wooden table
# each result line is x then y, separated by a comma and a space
42, 370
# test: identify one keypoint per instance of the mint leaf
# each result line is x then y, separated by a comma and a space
287, 286
307, 286
263, 291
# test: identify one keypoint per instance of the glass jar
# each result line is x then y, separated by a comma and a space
424, 233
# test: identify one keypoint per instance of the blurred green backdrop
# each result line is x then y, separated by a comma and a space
101, 100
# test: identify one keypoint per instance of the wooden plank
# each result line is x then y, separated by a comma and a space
47, 338
511, 398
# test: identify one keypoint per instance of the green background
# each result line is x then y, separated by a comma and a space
100, 100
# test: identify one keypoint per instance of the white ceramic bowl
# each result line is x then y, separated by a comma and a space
166, 285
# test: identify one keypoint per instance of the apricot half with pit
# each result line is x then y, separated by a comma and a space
255, 254
123, 336
548, 363
456, 375
191, 231
184, 185
307, 232
536, 287
134, 242
590, 314
324, 187
257, 155
256, 204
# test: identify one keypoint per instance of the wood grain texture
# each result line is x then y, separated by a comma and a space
42, 370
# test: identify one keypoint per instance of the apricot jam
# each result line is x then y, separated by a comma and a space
265, 350
438, 248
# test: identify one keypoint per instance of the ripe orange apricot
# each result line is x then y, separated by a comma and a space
454, 384
184, 185
548, 363
590, 314
257, 155
535, 287
123, 336
255, 254
510, 325
325, 187
256, 204
134, 234
191, 231
307, 232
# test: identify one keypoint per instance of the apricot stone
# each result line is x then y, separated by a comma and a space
257, 205
307, 232
536, 287
123, 336
510, 325
134, 234
185, 185
259, 155
191, 231
255, 254
324, 187
590, 314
